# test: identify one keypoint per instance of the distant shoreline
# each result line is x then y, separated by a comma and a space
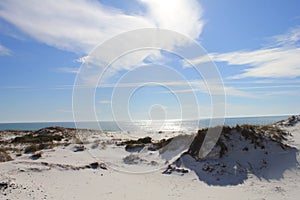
158, 125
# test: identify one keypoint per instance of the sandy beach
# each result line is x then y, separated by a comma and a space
70, 170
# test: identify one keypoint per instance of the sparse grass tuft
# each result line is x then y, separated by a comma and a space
4, 156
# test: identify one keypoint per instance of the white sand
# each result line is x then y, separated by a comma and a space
33, 180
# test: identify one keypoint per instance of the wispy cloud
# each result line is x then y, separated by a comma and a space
185, 87
75, 26
265, 63
215, 90
79, 25
4, 51
290, 38
70, 70
279, 61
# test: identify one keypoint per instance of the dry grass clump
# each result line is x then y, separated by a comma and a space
4, 156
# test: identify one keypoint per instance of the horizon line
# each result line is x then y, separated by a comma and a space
202, 118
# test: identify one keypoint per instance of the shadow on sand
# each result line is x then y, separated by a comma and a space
236, 167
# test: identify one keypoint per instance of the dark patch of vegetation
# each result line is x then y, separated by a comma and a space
139, 144
259, 133
94, 165
37, 138
133, 159
36, 156
31, 149
170, 169
102, 166
160, 144
245, 149
226, 129
3, 186
256, 135
19, 154
291, 121
134, 147
78, 148
145, 140
37, 147
197, 143
4, 156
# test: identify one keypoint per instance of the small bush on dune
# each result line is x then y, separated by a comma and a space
31, 148
37, 147
145, 140
4, 156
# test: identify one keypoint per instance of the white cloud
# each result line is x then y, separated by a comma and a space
4, 51
177, 15
288, 39
79, 25
70, 70
279, 61
73, 25
265, 63
203, 59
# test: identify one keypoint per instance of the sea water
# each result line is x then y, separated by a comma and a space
145, 125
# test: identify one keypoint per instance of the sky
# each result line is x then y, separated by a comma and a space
254, 45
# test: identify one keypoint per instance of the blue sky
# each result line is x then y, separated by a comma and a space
254, 44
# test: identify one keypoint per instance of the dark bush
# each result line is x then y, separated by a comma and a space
31, 148
36, 156
160, 144
37, 138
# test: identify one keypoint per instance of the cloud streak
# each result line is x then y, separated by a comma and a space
4, 51
70, 70
264, 63
281, 60
184, 87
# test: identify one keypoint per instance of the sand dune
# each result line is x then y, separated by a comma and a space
249, 162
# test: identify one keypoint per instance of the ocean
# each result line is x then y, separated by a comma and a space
145, 125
